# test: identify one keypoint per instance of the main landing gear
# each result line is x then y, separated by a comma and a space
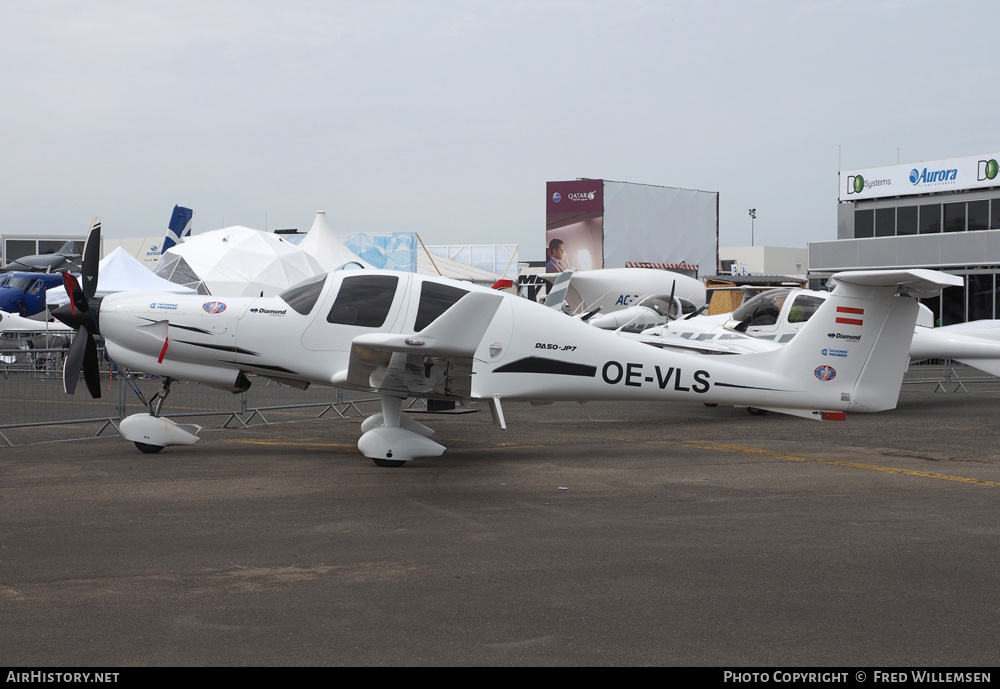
391, 440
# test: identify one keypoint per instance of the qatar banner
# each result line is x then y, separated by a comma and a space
574, 225
593, 224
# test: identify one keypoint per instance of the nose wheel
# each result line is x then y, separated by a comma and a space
390, 463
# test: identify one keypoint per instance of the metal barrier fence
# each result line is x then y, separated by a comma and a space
34, 408
946, 375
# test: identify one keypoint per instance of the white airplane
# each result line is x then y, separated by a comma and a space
771, 319
615, 289
13, 326
649, 312
405, 335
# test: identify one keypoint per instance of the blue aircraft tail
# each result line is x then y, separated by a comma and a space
179, 227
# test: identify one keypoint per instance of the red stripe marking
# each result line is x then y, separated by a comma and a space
850, 321
163, 352
850, 309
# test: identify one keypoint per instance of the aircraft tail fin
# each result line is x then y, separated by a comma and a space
854, 349
179, 227
557, 293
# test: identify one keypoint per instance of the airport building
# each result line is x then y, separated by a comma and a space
942, 215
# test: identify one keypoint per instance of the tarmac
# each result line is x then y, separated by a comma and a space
598, 535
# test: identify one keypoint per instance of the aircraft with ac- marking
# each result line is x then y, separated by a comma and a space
772, 318
404, 335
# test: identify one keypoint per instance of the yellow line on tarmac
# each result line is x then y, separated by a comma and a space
722, 447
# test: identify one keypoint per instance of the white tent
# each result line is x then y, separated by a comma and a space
236, 262
323, 245
120, 272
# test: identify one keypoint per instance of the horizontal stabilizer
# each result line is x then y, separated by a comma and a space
918, 282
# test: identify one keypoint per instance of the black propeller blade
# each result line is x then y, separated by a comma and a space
701, 310
82, 355
81, 315
91, 259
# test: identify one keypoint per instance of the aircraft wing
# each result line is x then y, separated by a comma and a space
736, 345
14, 323
436, 362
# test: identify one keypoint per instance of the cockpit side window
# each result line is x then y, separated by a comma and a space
803, 308
435, 299
364, 300
302, 297
764, 309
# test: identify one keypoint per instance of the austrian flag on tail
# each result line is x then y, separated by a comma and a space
850, 321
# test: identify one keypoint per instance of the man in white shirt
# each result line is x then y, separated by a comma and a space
557, 257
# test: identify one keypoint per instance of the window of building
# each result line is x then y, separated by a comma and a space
954, 217
980, 296
934, 304
978, 215
864, 224
906, 220
19, 248
885, 222
930, 218
953, 305
51, 246
995, 214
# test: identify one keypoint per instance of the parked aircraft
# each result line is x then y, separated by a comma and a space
13, 326
404, 335
23, 293
614, 289
19, 333
67, 258
772, 318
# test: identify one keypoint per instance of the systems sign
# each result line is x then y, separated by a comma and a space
953, 174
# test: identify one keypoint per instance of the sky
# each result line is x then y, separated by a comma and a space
448, 117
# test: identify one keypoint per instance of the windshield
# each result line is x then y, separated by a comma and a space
660, 303
302, 297
18, 283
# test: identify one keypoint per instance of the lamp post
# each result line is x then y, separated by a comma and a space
753, 216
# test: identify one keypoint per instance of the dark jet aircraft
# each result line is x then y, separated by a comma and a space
67, 258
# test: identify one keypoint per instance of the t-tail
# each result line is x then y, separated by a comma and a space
179, 227
854, 349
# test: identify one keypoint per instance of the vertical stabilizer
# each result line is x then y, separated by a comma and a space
179, 227
854, 350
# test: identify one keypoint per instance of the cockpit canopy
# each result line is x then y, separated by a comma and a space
762, 309
660, 303
765, 308
365, 300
